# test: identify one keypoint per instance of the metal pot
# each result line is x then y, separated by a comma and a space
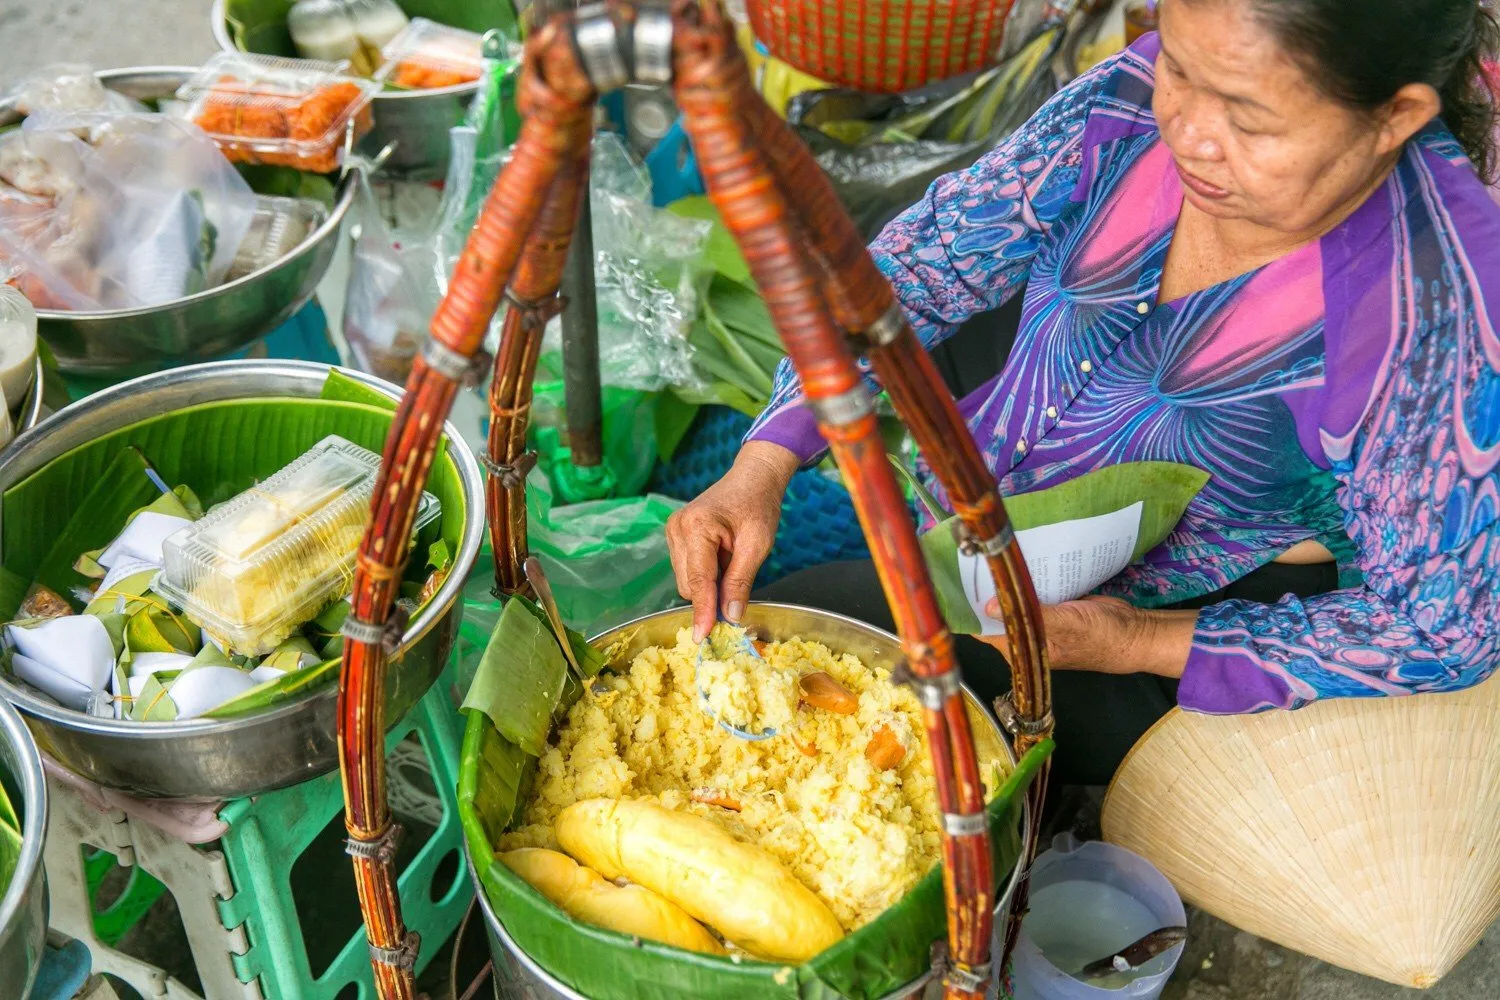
416, 121
201, 327
519, 977
23, 907
207, 759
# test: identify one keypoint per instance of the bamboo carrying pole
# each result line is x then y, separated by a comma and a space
819, 283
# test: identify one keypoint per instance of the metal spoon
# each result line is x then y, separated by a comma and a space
748, 648
538, 580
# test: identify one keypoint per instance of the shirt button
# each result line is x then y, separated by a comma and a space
1086, 367
1143, 308
1021, 447
1052, 412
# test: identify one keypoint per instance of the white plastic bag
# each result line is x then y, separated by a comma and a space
391, 295
103, 211
67, 87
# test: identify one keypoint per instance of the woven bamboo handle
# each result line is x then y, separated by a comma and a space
548, 140
718, 105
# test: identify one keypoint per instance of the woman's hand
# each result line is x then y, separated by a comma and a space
1109, 635
730, 527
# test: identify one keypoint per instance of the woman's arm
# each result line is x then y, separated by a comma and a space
968, 244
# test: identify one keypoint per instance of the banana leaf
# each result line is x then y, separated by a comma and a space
1164, 488
736, 351
156, 629
276, 691
520, 679
154, 703
122, 593
720, 251
10, 841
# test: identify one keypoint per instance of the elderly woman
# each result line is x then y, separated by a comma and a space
1258, 243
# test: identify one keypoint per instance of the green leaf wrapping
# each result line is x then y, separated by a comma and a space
887, 953
1164, 489
277, 690
520, 679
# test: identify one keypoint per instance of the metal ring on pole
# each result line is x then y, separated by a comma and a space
844, 408
598, 40
652, 42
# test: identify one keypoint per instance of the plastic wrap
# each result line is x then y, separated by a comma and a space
644, 274
67, 88
391, 295
116, 211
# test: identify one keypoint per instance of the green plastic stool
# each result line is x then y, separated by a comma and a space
140, 893
271, 831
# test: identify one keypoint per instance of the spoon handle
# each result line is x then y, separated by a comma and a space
538, 580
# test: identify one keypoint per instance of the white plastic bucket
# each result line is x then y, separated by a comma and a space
1087, 901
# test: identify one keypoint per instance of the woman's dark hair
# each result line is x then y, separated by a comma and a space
1360, 52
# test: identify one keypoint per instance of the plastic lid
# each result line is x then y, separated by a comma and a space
257, 567
278, 227
280, 108
428, 55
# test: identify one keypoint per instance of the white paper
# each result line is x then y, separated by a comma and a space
78, 647
1067, 560
69, 692
142, 539
146, 664
121, 572
205, 688
262, 674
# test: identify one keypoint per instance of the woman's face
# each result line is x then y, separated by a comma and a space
1252, 136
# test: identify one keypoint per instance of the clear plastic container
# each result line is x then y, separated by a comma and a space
428, 55
256, 568
278, 227
286, 112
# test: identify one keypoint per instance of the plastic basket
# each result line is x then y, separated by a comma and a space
881, 45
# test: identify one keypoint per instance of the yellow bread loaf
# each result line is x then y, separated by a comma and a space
740, 890
583, 893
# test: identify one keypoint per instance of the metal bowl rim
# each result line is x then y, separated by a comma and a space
34, 824
532, 966
450, 593
219, 22
310, 243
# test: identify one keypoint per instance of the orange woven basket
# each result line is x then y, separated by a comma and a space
881, 45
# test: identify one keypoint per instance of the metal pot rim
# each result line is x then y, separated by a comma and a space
450, 592
219, 22
1002, 901
34, 824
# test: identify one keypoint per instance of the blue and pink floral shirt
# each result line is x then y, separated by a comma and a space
1348, 392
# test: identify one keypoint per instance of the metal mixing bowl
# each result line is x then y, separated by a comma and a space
518, 974
220, 759
198, 327
23, 907
416, 121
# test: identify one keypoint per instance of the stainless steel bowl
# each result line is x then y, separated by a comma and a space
207, 759
198, 327
518, 975
23, 907
416, 121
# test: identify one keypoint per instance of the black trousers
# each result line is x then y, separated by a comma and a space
1099, 716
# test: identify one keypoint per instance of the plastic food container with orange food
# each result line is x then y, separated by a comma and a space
428, 55
285, 112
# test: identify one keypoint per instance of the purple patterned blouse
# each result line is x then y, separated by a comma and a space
1348, 392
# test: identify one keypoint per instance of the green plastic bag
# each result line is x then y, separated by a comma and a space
629, 440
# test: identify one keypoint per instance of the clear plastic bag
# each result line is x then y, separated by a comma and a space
644, 276
102, 211
67, 88
391, 296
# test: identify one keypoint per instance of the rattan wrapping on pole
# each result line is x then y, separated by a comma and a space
816, 287
1362, 832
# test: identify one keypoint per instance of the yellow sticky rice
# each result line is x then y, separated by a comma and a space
741, 690
856, 836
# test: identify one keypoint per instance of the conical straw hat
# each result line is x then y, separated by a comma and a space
1365, 833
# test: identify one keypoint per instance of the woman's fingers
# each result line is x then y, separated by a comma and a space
745, 557
694, 548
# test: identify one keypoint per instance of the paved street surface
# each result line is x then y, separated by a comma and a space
1220, 963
